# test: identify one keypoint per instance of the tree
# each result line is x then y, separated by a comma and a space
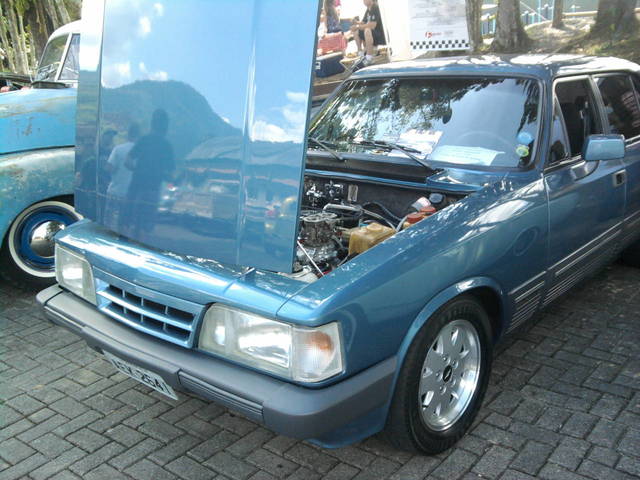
510, 35
615, 18
558, 12
474, 14
25, 26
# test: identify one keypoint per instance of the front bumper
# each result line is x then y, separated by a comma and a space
287, 409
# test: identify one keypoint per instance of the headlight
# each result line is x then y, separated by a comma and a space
302, 354
73, 272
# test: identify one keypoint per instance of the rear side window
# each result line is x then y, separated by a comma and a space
621, 104
578, 111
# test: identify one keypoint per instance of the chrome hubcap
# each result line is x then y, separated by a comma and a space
41, 240
450, 375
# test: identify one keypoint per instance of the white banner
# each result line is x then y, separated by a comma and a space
437, 25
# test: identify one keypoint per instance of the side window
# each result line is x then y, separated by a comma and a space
70, 68
579, 112
559, 144
621, 104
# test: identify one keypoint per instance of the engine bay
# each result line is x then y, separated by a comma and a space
341, 219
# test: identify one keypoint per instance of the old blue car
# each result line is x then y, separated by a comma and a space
335, 279
37, 134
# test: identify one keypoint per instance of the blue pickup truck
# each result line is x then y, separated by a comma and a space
37, 135
346, 276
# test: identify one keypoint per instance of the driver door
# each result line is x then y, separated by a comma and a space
586, 199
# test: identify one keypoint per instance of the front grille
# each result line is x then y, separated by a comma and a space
157, 314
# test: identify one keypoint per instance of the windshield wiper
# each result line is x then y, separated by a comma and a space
326, 148
389, 146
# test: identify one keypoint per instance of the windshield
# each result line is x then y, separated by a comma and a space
51, 58
466, 121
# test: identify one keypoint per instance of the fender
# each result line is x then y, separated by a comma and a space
432, 307
30, 177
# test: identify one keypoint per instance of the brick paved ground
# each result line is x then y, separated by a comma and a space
564, 403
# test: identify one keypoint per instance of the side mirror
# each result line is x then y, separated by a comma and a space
603, 147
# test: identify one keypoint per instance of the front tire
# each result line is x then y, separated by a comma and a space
26, 255
631, 255
443, 379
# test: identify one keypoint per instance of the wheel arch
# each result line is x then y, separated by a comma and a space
485, 289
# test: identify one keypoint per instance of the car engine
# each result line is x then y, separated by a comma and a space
340, 220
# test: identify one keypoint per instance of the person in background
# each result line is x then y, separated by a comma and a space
331, 17
369, 33
119, 172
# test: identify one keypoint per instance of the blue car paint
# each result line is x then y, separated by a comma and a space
37, 135
33, 176
36, 119
505, 238
241, 149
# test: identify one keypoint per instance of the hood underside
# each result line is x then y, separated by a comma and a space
191, 128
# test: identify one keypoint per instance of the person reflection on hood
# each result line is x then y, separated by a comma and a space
152, 163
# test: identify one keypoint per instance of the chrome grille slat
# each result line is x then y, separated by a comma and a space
163, 316
140, 310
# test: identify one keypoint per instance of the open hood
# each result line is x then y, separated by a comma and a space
192, 125
35, 119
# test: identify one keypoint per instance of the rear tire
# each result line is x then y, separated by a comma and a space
26, 255
443, 379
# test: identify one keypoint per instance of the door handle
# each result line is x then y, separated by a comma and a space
619, 178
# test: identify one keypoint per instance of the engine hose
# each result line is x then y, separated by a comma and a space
384, 209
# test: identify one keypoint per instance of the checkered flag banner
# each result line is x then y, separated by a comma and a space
438, 25
450, 44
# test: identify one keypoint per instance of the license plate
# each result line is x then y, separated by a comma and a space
142, 375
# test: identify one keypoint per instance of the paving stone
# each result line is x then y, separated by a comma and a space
563, 403
50, 445
494, 462
630, 442
189, 469
250, 442
342, 471
598, 472
379, 468
87, 440
105, 472
352, 455
132, 455
579, 424
605, 456
630, 466
235, 423
97, 458
125, 435
230, 466
174, 449
25, 404
606, 433
57, 464
269, 462
532, 457
310, 457
208, 448
570, 452
14, 451
146, 469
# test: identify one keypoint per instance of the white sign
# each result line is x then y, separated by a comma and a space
438, 25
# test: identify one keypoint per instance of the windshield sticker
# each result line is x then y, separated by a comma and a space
464, 155
522, 151
423, 140
525, 138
